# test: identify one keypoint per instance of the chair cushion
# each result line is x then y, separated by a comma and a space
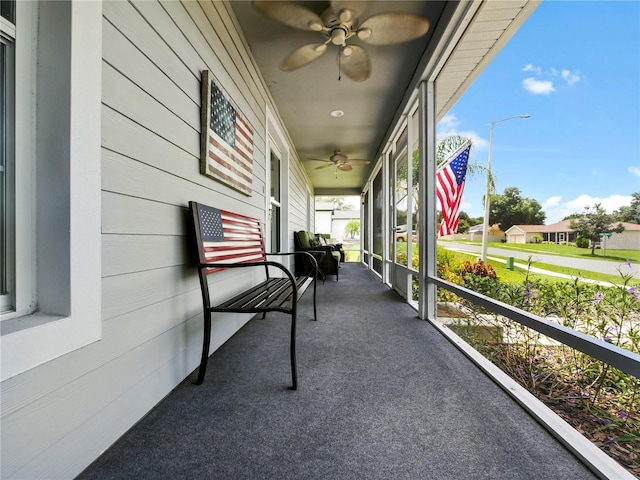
336, 255
304, 239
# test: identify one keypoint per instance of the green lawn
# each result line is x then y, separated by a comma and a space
519, 274
568, 251
572, 272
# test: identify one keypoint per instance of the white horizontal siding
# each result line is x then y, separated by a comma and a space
152, 60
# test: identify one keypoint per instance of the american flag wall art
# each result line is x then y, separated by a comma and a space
226, 139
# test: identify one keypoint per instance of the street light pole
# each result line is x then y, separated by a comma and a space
487, 201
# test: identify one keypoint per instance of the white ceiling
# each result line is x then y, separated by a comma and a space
305, 97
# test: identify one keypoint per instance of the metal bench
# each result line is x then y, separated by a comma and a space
228, 240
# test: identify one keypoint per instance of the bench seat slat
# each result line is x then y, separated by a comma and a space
256, 296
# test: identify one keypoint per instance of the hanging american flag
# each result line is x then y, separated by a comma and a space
228, 237
227, 140
449, 187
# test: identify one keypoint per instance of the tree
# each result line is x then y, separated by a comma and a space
629, 213
573, 216
445, 148
339, 203
511, 209
465, 222
594, 222
352, 228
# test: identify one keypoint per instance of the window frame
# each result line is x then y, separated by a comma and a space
30, 338
7, 205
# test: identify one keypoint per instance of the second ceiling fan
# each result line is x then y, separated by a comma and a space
341, 161
338, 24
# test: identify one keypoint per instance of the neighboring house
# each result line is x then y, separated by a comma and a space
324, 217
334, 222
561, 232
495, 234
556, 233
627, 240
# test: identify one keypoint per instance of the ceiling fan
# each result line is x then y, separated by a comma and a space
339, 23
341, 161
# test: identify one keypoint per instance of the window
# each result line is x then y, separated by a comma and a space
7, 121
50, 180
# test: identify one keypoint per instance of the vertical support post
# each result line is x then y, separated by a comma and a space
487, 200
427, 172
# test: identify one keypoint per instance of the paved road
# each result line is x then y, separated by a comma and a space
600, 266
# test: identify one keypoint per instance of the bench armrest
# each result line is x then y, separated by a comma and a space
301, 252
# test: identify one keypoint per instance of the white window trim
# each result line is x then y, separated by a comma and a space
26, 348
276, 142
8, 40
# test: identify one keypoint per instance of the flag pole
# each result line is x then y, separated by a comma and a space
487, 201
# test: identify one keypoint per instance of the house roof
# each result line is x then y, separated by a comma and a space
634, 227
563, 226
337, 214
480, 228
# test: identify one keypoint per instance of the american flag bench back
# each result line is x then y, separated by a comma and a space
225, 240
227, 237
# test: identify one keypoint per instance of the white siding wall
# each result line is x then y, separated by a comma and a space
59, 417
627, 240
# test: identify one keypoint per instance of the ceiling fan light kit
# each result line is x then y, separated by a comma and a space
364, 33
339, 23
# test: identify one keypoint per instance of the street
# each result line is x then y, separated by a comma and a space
585, 264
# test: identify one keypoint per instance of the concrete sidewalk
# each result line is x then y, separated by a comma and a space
598, 266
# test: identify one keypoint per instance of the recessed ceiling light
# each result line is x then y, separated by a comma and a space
337, 113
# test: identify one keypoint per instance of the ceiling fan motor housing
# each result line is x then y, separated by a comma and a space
338, 157
338, 31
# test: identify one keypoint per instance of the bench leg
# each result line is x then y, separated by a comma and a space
205, 348
315, 310
294, 368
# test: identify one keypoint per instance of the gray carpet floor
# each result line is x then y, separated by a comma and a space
382, 395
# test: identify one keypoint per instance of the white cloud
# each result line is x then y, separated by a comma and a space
448, 122
569, 77
538, 87
634, 171
530, 68
449, 126
556, 210
542, 83
551, 202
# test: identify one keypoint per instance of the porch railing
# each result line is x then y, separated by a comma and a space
617, 357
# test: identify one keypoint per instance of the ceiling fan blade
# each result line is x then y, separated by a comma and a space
345, 168
352, 9
356, 66
392, 27
358, 161
290, 14
324, 166
303, 56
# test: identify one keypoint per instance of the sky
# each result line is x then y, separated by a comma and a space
574, 66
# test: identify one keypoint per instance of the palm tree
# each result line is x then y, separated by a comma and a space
448, 146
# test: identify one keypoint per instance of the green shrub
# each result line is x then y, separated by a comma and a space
609, 313
582, 242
